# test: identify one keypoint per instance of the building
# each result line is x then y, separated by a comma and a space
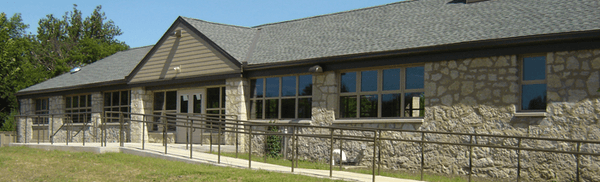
514, 67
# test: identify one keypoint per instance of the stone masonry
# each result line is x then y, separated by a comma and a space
481, 95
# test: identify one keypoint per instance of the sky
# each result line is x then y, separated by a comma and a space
144, 22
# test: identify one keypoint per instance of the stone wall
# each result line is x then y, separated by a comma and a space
24, 131
236, 90
141, 103
481, 95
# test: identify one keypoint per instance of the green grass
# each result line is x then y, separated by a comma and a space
27, 164
389, 173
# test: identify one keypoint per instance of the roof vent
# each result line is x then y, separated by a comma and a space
75, 69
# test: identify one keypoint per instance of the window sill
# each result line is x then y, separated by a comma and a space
375, 120
285, 121
530, 114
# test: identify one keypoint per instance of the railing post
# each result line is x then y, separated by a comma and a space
52, 130
293, 144
519, 161
143, 131
237, 126
68, 131
187, 133
340, 140
331, 152
83, 129
374, 146
166, 125
191, 137
219, 144
470, 157
422, 153
38, 131
577, 157
266, 143
121, 130
297, 152
250, 148
378, 154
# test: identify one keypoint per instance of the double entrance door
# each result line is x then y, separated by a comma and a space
190, 104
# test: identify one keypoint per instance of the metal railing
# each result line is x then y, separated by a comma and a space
241, 128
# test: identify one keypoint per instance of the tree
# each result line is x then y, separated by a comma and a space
60, 44
74, 41
14, 65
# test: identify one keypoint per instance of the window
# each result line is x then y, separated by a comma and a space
286, 97
79, 108
117, 101
215, 104
165, 103
533, 83
382, 93
41, 108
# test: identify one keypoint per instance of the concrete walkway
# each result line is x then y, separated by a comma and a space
177, 152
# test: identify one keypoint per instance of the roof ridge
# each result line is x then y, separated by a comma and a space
336, 13
237, 26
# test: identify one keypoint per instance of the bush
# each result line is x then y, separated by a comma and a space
273, 148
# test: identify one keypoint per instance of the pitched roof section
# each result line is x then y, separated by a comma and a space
235, 40
403, 25
112, 68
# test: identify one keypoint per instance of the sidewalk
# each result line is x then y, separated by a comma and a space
177, 152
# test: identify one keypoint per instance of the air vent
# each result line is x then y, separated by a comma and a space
75, 69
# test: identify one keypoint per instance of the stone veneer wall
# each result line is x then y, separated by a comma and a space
235, 104
24, 131
481, 95
141, 103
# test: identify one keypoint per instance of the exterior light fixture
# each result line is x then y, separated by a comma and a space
176, 33
316, 69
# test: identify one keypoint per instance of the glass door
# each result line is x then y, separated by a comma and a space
189, 102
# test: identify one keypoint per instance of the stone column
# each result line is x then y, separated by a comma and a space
97, 111
24, 123
324, 98
235, 104
56, 109
141, 103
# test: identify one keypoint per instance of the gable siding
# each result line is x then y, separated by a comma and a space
190, 52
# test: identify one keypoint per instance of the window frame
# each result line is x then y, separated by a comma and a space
154, 127
41, 111
522, 82
119, 106
70, 111
280, 97
379, 92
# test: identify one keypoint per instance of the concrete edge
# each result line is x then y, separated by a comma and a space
93, 149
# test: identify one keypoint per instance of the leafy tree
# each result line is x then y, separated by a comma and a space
14, 49
64, 43
60, 44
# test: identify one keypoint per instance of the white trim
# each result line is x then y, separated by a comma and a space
530, 114
376, 120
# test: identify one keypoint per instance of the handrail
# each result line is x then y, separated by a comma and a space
376, 136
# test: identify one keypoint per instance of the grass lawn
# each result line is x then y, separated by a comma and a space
27, 164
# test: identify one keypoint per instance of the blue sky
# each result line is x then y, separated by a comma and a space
144, 22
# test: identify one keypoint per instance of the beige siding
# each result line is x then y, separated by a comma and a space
192, 54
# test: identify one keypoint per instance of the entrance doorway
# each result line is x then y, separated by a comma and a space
190, 102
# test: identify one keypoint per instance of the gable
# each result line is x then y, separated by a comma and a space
190, 53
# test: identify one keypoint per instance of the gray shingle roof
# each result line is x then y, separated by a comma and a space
234, 39
396, 26
405, 25
111, 68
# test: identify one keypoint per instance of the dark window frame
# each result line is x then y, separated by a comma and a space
118, 106
263, 99
163, 109
42, 109
379, 93
523, 82
71, 111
